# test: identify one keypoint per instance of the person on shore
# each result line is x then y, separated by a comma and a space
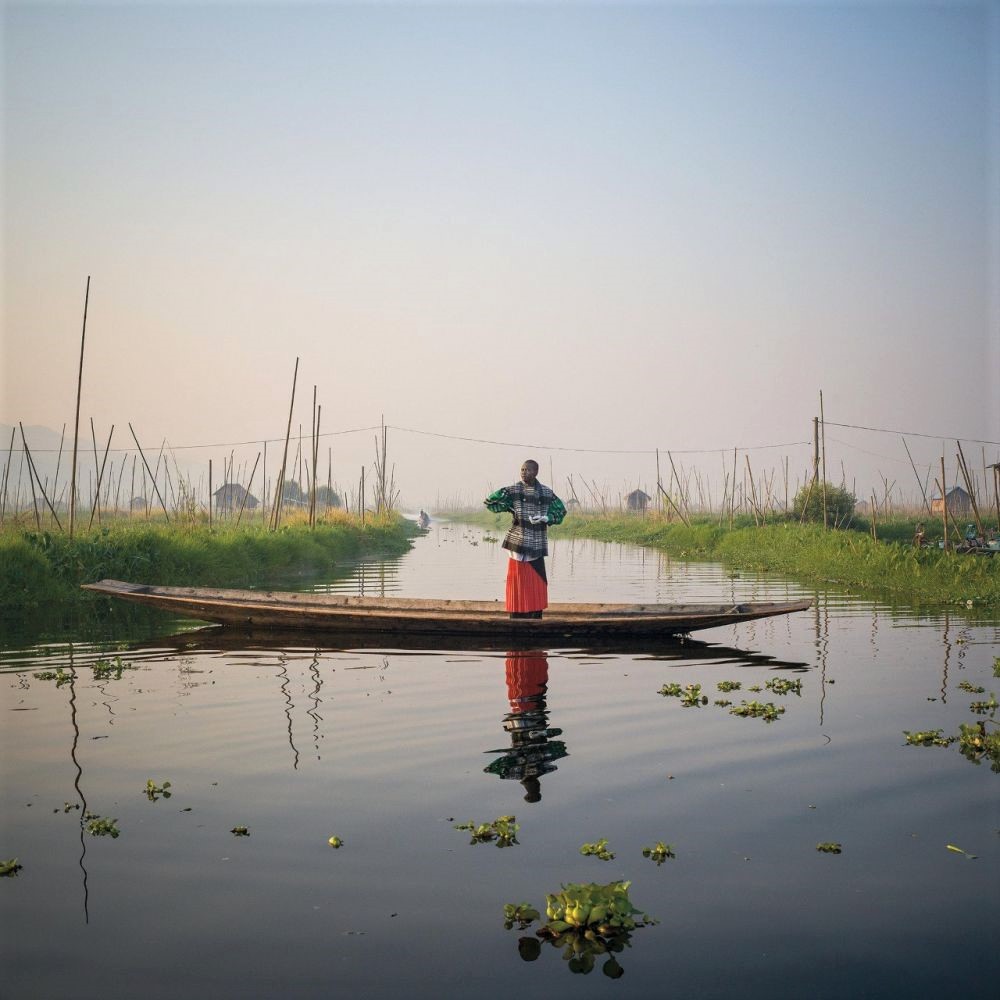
920, 536
533, 507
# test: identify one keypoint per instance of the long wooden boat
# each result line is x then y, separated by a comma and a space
420, 617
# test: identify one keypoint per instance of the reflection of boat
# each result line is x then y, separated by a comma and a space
414, 616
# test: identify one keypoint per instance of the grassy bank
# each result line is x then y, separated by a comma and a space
848, 559
39, 569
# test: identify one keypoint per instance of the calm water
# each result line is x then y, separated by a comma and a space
389, 748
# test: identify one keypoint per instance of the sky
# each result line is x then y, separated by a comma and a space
588, 231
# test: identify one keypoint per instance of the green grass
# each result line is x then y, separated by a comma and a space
40, 569
848, 559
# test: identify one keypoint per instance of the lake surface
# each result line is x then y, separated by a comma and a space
390, 748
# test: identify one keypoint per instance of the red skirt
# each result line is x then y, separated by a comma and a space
527, 589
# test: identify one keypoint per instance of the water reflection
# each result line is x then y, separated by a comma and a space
533, 747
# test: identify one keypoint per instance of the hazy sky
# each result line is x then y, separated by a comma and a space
600, 226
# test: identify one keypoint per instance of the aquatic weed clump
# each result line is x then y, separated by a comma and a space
503, 830
588, 920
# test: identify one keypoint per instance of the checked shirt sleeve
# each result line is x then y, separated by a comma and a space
499, 501
556, 511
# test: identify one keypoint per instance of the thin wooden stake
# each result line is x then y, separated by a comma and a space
146, 464
276, 511
76, 426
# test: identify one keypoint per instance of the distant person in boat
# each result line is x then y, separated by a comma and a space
534, 507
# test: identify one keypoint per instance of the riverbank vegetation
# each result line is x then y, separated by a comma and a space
850, 559
42, 568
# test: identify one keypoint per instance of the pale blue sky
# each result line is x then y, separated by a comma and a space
601, 226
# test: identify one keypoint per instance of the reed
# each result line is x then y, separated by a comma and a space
46, 567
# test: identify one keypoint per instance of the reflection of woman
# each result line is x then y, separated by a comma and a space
534, 507
532, 748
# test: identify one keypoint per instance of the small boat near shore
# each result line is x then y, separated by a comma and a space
288, 610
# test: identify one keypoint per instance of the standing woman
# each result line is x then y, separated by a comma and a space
534, 508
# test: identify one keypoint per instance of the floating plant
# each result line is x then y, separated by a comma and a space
59, 676
99, 826
154, 791
928, 738
781, 685
10, 867
240, 831
599, 849
692, 696
672, 690
659, 852
522, 914
984, 707
767, 711
503, 830
111, 669
335, 842
726, 686
830, 847
971, 688
587, 921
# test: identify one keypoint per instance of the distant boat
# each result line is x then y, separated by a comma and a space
402, 616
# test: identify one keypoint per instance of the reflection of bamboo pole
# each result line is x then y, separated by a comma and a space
156, 488
76, 426
276, 510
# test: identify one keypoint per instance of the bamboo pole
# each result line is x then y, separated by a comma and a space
972, 489
923, 492
276, 510
822, 421
32, 471
732, 495
76, 426
680, 513
944, 504
156, 487
211, 496
246, 492
100, 475
31, 480
6, 477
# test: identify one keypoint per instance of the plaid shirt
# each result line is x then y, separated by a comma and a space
529, 540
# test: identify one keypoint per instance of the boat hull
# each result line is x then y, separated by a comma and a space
286, 610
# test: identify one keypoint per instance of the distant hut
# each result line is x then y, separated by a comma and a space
229, 497
637, 501
959, 503
138, 503
572, 504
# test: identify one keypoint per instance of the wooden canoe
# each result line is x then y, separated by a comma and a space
419, 617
